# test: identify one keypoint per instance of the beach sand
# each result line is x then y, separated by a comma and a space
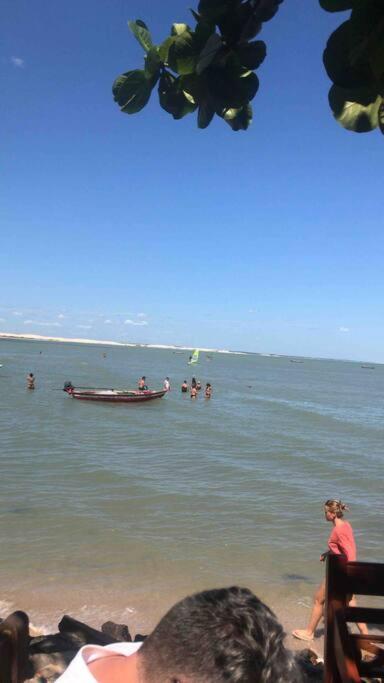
140, 611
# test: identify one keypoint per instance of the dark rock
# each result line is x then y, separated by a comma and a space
139, 638
57, 642
118, 631
85, 634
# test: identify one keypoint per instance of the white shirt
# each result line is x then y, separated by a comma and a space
166, 385
78, 672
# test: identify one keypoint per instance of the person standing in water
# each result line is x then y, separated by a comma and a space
184, 387
208, 390
341, 542
31, 381
167, 384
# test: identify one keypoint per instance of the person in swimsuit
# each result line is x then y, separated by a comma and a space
340, 542
141, 384
31, 381
184, 387
208, 390
193, 392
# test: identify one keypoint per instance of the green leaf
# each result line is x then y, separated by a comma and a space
251, 55
132, 91
182, 54
229, 91
172, 98
164, 49
338, 63
209, 52
141, 33
203, 31
195, 15
206, 113
359, 116
178, 29
238, 119
153, 63
381, 117
336, 5
213, 10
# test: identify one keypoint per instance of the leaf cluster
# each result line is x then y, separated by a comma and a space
354, 61
208, 69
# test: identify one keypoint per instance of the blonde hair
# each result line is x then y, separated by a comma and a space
336, 507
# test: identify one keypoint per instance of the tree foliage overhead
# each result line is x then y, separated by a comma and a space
209, 68
354, 61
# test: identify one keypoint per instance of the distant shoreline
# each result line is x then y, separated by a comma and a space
70, 340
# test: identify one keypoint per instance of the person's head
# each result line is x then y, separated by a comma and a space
167, 378
143, 377
208, 385
31, 374
224, 635
334, 509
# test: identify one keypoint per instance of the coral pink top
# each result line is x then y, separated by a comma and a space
342, 542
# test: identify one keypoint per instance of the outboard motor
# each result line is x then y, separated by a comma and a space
68, 387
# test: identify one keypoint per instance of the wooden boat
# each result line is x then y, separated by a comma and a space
112, 395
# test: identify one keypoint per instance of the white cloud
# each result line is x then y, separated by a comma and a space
343, 329
2, 320
16, 313
107, 322
61, 316
84, 327
41, 324
18, 62
135, 322
141, 315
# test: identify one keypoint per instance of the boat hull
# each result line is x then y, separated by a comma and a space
114, 396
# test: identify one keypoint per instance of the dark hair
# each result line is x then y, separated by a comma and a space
224, 635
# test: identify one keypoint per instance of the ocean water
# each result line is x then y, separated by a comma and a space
116, 511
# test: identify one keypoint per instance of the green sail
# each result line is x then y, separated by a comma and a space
194, 358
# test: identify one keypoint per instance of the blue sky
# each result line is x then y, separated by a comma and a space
144, 229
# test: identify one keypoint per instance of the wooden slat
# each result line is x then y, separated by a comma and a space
342, 649
367, 615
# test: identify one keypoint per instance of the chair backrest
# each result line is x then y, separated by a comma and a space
14, 640
343, 649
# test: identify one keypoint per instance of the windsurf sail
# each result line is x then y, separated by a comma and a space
194, 358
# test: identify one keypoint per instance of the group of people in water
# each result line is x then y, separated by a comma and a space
195, 388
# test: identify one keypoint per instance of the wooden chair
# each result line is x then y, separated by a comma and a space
343, 649
14, 640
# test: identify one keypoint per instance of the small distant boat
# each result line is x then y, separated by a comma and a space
368, 367
295, 360
194, 358
112, 395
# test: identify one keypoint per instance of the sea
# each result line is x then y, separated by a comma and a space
114, 512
